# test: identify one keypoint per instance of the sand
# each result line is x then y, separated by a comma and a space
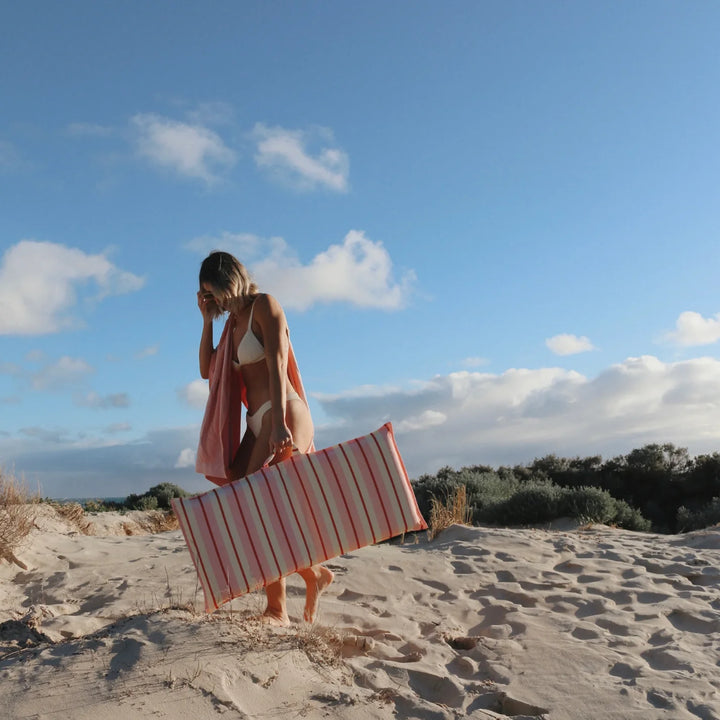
479, 622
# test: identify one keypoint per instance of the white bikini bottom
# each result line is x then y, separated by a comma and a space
254, 421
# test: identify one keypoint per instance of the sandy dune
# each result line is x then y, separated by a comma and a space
481, 623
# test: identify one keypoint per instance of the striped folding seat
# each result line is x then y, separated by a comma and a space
298, 513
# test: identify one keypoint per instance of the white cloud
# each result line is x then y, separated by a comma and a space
45, 435
569, 344
149, 351
426, 419
61, 464
212, 113
192, 151
468, 418
358, 271
285, 154
194, 394
244, 246
115, 428
464, 418
93, 400
186, 459
691, 328
63, 372
39, 281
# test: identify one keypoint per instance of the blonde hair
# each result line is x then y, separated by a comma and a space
230, 280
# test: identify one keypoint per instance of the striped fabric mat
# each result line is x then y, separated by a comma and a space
298, 513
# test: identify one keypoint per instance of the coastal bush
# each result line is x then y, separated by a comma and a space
17, 516
588, 504
96, 506
509, 497
534, 502
630, 518
156, 498
141, 502
701, 518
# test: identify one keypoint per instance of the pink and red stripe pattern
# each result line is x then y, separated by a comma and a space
301, 512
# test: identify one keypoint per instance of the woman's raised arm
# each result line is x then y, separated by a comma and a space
206, 339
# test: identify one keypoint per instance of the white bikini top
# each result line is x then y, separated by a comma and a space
250, 349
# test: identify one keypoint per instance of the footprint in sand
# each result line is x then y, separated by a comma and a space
463, 568
435, 585
500, 704
499, 593
686, 622
666, 660
625, 671
587, 579
569, 567
467, 551
613, 627
594, 607
437, 689
583, 633
621, 597
661, 637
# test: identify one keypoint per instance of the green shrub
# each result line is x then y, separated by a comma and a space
164, 492
156, 498
509, 497
588, 504
148, 502
630, 518
698, 519
533, 503
96, 506
484, 489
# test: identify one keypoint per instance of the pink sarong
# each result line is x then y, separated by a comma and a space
298, 513
220, 432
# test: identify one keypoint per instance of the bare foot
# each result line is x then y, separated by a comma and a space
276, 619
317, 581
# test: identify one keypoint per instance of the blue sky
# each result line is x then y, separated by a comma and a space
493, 223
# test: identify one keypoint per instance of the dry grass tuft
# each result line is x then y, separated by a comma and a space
454, 511
157, 521
322, 645
17, 517
75, 515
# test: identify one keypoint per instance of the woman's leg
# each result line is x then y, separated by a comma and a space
276, 610
241, 462
317, 578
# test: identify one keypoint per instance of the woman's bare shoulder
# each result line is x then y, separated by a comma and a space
268, 305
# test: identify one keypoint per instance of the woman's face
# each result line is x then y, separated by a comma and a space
211, 293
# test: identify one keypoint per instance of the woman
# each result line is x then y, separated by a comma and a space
278, 419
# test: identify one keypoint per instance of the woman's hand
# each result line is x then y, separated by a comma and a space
207, 305
281, 441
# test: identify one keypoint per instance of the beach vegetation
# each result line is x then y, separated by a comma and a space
17, 516
453, 511
157, 497
705, 516
657, 487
